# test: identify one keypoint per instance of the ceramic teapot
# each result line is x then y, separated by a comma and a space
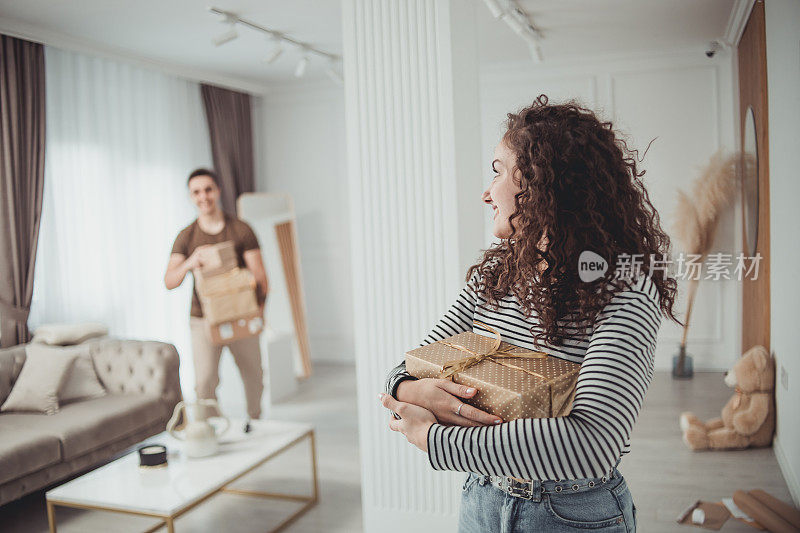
200, 437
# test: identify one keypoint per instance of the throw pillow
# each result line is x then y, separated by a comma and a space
82, 382
39, 382
65, 334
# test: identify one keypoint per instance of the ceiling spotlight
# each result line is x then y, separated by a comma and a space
276, 51
531, 37
301, 67
334, 74
514, 22
536, 52
495, 8
229, 35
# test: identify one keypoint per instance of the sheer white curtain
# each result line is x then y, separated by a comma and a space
121, 141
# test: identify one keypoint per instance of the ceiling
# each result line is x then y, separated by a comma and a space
575, 28
178, 33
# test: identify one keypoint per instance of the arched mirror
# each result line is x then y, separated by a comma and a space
750, 183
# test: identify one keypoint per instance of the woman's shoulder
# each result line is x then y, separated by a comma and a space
640, 284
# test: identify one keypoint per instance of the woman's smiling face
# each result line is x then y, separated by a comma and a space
501, 191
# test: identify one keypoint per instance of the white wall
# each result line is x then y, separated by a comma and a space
300, 150
783, 82
686, 101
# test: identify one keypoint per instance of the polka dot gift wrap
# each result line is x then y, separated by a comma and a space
509, 393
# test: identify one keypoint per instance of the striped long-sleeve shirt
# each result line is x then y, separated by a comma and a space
617, 363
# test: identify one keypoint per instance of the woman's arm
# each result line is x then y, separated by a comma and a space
457, 319
442, 397
612, 382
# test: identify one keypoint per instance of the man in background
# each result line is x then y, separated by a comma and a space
214, 226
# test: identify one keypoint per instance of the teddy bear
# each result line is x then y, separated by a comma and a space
748, 419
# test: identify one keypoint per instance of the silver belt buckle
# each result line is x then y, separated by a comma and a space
519, 489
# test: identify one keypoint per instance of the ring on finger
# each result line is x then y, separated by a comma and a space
458, 411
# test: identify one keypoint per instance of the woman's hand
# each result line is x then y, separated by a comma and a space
415, 421
440, 396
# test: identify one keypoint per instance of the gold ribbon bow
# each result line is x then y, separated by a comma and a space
459, 365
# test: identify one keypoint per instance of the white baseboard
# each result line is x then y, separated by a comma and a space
786, 469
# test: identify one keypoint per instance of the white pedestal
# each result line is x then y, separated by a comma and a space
278, 360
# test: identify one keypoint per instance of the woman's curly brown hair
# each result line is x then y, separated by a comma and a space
582, 189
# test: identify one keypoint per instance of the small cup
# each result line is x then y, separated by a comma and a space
152, 456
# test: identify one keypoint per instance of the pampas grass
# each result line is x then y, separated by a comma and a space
698, 213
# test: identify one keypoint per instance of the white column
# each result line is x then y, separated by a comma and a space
411, 173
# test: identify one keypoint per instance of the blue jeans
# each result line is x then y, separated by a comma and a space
604, 506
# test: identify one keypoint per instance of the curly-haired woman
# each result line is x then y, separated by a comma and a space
563, 183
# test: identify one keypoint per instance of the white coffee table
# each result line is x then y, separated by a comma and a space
168, 492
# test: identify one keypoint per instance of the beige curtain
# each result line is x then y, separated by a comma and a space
22, 138
231, 132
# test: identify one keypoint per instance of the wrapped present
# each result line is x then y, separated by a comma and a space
238, 328
227, 296
238, 279
512, 382
218, 258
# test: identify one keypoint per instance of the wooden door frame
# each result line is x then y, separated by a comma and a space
752, 61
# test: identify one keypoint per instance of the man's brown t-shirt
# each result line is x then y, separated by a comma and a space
191, 237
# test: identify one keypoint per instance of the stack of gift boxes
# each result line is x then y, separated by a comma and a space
227, 295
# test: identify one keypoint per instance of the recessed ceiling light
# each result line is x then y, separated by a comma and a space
301, 67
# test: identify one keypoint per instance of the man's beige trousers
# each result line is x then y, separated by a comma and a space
246, 353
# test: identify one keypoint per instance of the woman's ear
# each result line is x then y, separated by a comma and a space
543, 241
518, 177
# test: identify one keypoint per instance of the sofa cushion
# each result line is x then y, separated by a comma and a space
23, 451
39, 382
65, 334
82, 382
87, 425
11, 361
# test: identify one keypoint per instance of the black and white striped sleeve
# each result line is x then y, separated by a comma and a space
613, 379
457, 319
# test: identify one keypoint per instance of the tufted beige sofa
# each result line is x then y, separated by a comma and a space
37, 450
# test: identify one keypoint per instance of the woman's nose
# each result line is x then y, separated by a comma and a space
486, 197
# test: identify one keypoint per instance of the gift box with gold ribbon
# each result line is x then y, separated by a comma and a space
512, 382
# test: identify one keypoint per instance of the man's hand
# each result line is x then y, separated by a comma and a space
441, 397
196, 259
415, 421
255, 264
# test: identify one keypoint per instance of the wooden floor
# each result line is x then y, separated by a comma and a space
664, 476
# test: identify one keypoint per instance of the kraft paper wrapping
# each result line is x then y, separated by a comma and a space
509, 392
222, 307
227, 296
218, 258
237, 279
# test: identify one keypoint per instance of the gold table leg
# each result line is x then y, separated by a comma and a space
51, 517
